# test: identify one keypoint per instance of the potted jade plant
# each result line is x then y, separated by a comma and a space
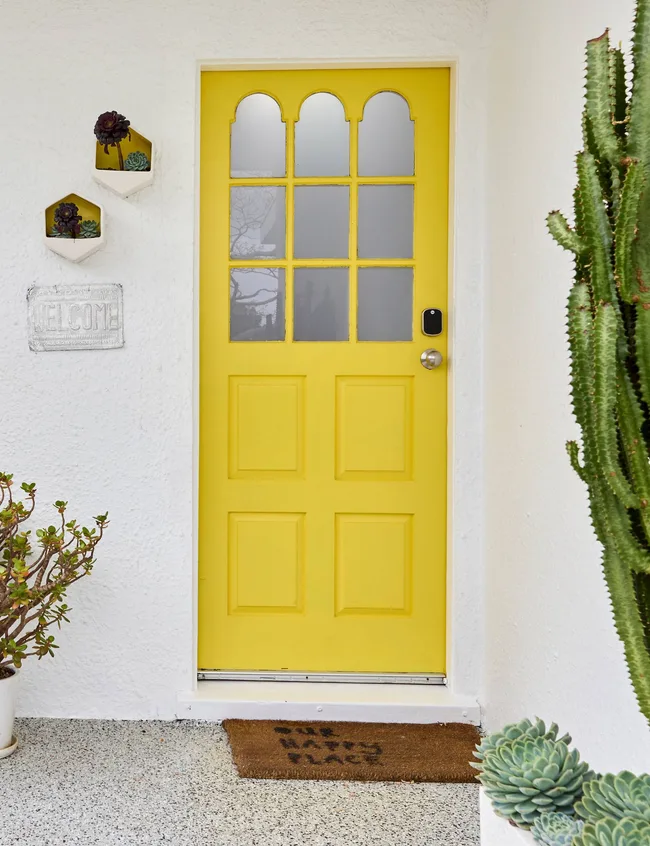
35, 573
123, 157
537, 790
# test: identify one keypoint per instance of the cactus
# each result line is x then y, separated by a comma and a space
617, 796
526, 778
137, 161
556, 829
609, 331
517, 731
610, 832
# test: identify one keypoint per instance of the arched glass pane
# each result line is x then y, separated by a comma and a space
322, 138
257, 139
386, 137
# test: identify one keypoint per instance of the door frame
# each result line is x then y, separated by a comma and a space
195, 702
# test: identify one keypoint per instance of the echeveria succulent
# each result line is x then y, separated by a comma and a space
526, 778
111, 128
612, 832
137, 161
517, 731
556, 829
89, 229
617, 796
67, 220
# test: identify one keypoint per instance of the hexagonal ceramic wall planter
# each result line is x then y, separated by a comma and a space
78, 248
125, 182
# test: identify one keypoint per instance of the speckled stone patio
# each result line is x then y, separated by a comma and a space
99, 783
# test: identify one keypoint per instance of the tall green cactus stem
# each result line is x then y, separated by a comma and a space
609, 330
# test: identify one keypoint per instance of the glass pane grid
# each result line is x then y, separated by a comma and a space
376, 312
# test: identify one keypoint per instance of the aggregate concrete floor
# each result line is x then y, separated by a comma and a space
99, 783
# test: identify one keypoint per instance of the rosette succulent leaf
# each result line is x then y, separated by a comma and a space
526, 778
67, 220
612, 832
556, 829
517, 731
110, 129
617, 796
137, 161
89, 229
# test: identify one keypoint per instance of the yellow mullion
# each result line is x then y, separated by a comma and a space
354, 207
260, 182
289, 199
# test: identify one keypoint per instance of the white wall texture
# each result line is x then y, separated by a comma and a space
115, 430
551, 649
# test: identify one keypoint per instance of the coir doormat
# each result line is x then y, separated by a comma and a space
353, 751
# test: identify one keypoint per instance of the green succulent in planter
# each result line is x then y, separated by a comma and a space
35, 573
89, 229
137, 161
556, 829
618, 796
517, 731
611, 832
526, 778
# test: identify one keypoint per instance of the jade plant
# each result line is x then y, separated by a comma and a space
35, 573
556, 829
611, 832
531, 776
617, 796
609, 330
68, 223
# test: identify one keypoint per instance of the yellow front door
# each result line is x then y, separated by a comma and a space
322, 515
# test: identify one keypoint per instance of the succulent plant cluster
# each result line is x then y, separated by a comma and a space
536, 782
68, 223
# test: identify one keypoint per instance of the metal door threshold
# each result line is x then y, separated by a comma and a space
340, 678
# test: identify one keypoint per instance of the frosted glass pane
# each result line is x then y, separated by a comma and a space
322, 138
321, 221
321, 304
257, 222
386, 145
257, 297
385, 221
385, 304
257, 138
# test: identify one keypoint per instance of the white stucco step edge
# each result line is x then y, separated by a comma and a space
498, 832
372, 703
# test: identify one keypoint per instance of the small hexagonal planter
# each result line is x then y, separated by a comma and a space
74, 227
136, 157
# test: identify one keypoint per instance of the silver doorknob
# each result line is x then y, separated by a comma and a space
431, 359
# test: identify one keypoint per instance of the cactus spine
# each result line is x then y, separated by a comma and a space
609, 330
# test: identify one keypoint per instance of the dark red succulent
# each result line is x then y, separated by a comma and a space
111, 128
67, 220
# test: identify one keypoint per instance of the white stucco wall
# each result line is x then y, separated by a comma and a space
550, 642
115, 430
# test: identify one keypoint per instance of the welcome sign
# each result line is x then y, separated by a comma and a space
75, 317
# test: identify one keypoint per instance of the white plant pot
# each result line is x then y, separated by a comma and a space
125, 182
8, 691
75, 249
496, 831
